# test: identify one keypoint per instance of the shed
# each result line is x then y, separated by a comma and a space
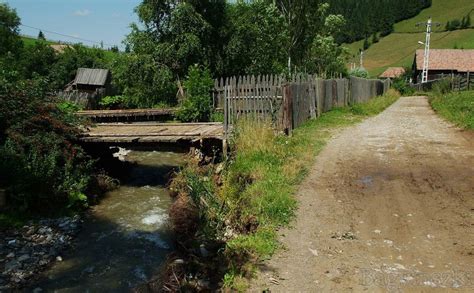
393, 72
91, 77
444, 62
88, 87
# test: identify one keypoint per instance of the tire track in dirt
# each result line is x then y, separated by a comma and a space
388, 206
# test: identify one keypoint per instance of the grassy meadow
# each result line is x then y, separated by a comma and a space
398, 48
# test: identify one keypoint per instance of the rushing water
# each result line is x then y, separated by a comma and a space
125, 237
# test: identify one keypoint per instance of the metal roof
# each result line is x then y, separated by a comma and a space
89, 76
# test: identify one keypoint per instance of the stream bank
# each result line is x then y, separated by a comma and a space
124, 238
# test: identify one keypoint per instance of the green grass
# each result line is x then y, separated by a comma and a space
398, 48
276, 165
29, 41
455, 107
441, 11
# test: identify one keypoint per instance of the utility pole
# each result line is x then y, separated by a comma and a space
361, 62
426, 57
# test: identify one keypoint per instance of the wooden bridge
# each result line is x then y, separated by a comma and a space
153, 133
128, 115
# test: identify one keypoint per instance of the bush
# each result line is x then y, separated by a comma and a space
40, 167
359, 72
403, 87
113, 102
197, 105
442, 87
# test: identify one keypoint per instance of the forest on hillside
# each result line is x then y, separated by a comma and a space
366, 17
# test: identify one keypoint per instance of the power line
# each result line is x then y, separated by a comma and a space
64, 35
68, 36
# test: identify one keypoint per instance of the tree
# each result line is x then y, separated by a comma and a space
144, 82
366, 43
41, 36
179, 33
448, 25
257, 40
375, 38
326, 56
197, 105
467, 21
37, 60
10, 40
302, 18
74, 57
40, 166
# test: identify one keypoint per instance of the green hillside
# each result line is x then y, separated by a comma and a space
30, 41
441, 11
398, 48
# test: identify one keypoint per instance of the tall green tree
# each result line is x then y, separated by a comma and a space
10, 40
301, 19
41, 36
257, 40
327, 57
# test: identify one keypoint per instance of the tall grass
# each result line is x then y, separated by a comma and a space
255, 194
455, 107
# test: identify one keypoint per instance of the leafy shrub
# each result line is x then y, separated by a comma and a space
442, 87
113, 102
197, 105
40, 167
143, 80
403, 87
359, 72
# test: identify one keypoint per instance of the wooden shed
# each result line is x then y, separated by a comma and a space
90, 80
87, 88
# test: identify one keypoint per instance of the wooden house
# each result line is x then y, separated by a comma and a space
393, 72
444, 62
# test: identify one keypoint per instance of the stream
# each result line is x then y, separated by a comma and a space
125, 238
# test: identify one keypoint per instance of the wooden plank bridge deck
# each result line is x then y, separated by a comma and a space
127, 114
148, 132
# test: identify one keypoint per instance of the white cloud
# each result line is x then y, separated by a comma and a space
116, 14
82, 12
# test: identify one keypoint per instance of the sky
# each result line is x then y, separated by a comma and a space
106, 21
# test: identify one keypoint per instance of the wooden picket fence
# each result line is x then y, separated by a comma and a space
288, 103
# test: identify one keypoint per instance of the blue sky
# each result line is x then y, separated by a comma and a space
98, 20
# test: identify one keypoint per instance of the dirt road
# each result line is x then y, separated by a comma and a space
388, 206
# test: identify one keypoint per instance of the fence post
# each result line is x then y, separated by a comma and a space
468, 81
287, 109
226, 121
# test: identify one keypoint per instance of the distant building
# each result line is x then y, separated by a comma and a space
444, 62
90, 80
59, 49
393, 72
87, 88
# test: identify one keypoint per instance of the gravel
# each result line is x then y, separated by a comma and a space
26, 251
